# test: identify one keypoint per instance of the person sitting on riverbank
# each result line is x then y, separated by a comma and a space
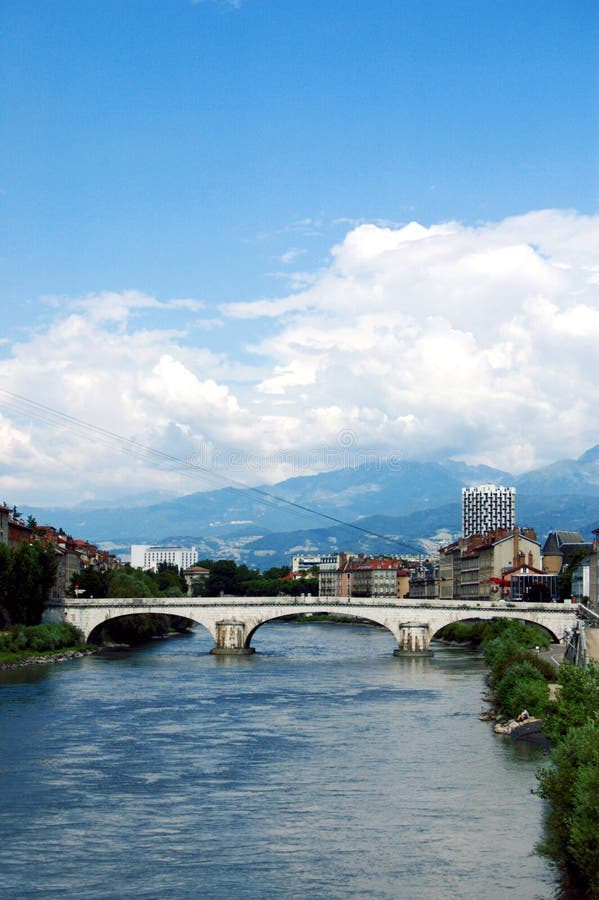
524, 715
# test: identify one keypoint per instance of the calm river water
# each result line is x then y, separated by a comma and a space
320, 767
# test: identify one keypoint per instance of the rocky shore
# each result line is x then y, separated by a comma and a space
531, 730
59, 656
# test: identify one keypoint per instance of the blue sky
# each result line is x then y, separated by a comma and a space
219, 152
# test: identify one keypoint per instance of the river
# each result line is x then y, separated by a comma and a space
320, 767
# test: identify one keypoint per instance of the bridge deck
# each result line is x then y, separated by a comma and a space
402, 617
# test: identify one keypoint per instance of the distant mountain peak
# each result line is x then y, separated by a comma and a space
590, 456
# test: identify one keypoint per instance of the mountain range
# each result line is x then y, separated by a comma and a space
378, 507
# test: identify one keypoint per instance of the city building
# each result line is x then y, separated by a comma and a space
360, 576
4, 514
330, 575
594, 574
581, 581
486, 508
146, 556
68, 567
531, 585
305, 562
559, 549
585, 577
424, 580
479, 567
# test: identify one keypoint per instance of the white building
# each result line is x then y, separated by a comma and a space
487, 507
303, 563
144, 556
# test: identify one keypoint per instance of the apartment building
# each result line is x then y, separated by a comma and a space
331, 582
425, 581
476, 567
486, 508
360, 576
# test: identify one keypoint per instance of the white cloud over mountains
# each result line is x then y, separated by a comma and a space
477, 342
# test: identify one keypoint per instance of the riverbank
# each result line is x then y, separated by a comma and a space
33, 659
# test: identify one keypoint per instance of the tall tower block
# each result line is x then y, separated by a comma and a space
487, 507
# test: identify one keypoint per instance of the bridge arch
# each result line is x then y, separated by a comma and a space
95, 630
526, 616
347, 614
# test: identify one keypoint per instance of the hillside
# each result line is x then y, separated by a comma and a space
411, 506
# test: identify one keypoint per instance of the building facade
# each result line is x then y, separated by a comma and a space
145, 556
330, 575
559, 549
360, 576
478, 567
486, 508
425, 581
4, 513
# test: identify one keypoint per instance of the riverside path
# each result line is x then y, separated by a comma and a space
232, 621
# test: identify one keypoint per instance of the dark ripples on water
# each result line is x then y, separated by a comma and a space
321, 767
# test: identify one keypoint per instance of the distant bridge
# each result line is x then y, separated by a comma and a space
232, 621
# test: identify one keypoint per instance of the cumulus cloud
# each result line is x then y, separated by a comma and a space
477, 342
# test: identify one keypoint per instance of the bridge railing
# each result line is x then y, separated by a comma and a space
320, 601
589, 615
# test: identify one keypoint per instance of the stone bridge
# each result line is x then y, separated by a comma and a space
232, 621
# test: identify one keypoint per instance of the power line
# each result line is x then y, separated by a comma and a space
54, 417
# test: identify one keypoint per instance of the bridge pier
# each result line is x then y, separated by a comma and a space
230, 639
414, 640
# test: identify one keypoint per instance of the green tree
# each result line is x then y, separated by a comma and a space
91, 581
128, 582
571, 786
169, 578
576, 700
6, 563
521, 687
276, 572
223, 578
32, 575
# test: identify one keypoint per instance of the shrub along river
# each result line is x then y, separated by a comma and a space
320, 767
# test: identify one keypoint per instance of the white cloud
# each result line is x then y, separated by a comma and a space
290, 255
418, 341
474, 340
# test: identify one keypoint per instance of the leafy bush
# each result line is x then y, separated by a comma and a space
524, 634
483, 633
21, 639
571, 786
506, 654
521, 686
577, 699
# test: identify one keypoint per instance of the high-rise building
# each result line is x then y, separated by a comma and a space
487, 507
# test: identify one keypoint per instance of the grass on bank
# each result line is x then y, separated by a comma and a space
22, 642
